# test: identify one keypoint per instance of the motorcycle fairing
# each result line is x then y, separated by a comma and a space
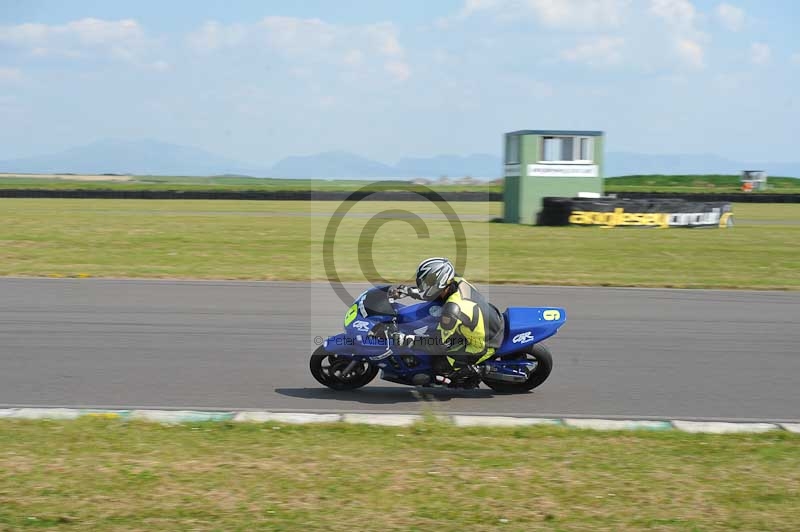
529, 325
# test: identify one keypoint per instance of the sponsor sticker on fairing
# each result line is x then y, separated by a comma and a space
523, 338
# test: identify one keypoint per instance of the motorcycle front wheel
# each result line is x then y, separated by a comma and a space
329, 369
544, 365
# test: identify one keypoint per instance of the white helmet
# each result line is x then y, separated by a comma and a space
433, 276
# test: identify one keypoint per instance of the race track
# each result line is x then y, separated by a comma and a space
623, 353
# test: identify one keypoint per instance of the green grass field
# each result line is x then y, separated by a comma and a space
643, 183
108, 475
220, 183
283, 241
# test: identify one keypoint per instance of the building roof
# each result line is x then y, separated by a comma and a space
557, 132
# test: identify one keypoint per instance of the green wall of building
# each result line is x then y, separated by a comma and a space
523, 193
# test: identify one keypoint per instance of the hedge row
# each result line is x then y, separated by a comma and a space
303, 195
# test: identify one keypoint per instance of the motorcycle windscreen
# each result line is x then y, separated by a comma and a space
375, 302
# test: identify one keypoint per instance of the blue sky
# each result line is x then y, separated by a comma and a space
258, 81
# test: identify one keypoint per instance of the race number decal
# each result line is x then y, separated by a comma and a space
352, 312
551, 315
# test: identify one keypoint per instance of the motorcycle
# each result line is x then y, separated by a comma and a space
352, 359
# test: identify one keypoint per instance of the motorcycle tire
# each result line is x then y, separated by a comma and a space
545, 365
324, 365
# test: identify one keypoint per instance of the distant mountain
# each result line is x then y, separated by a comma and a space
144, 157
334, 164
340, 164
141, 157
478, 165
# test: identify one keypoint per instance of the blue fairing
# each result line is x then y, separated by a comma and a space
530, 325
525, 326
412, 319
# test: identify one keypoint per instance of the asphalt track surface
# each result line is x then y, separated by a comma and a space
630, 353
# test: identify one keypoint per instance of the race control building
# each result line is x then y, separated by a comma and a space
541, 163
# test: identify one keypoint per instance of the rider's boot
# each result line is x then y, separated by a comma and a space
467, 376
442, 370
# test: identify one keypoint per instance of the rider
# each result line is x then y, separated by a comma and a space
469, 330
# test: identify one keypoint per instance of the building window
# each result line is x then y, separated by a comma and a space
512, 149
586, 150
567, 149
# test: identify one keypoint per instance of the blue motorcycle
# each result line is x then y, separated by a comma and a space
352, 359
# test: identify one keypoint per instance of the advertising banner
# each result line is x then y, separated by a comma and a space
613, 212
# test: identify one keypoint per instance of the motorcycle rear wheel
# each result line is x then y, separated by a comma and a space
544, 366
327, 368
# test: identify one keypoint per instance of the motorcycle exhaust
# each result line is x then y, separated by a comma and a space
521, 375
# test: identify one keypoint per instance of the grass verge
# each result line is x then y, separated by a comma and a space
216, 183
107, 475
632, 183
283, 241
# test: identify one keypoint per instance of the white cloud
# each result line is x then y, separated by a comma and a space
681, 18
680, 14
795, 58
307, 41
42, 51
160, 66
475, 6
96, 32
598, 52
300, 36
579, 13
760, 53
385, 37
399, 70
120, 39
10, 75
297, 35
731, 17
691, 52
556, 14
24, 35
353, 58
214, 36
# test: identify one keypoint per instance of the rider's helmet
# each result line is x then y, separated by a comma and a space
433, 277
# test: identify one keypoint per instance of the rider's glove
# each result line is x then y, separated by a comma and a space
413, 291
401, 290
398, 291
404, 340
